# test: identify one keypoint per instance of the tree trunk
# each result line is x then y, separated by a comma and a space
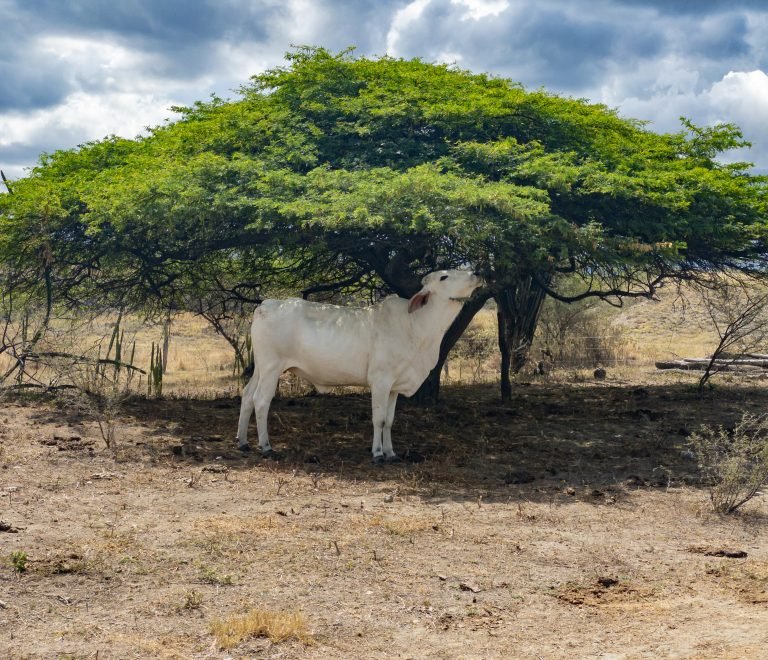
519, 307
429, 392
506, 383
166, 340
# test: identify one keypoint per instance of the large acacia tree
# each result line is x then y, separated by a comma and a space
344, 175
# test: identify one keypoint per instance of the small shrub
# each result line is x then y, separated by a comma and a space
19, 560
276, 626
581, 334
734, 463
193, 600
212, 576
476, 347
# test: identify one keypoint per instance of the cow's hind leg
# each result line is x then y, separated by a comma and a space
262, 398
246, 410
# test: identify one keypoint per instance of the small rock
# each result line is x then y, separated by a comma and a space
412, 456
469, 586
607, 582
217, 469
731, 554
103, 475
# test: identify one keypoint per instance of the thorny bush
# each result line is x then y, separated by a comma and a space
733, 462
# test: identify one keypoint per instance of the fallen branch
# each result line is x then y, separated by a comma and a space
702, 364
47, 388
82, 359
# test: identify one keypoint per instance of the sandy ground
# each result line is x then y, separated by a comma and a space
567, 524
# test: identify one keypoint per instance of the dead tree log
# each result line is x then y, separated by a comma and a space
701, 364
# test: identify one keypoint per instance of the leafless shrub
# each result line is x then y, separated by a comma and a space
475, 347
103, 384
24, 322
733, 462
738, 312
580, 334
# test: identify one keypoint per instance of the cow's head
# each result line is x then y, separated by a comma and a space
445, 286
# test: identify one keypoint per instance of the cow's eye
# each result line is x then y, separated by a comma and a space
444, 277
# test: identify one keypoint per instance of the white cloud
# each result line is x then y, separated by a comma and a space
742, 95
307, 20
115, 90
478, 9
449, 57
402, 19
739, 97
83, 117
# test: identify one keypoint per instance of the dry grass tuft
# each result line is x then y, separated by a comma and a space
748, 579
276, 626
235, 526
401, 526
226, 535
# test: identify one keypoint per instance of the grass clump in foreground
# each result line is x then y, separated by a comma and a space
276, 626
734, 462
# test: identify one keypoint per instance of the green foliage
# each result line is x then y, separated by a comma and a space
18, 560
361, 174
733, 462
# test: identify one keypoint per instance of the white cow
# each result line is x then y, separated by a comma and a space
391, 347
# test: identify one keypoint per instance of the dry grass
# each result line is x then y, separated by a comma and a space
276, 626
502, 516
401, 525
514, 514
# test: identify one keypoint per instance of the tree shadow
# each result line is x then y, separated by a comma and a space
587, 440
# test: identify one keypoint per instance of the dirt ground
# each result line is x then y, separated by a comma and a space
569, 523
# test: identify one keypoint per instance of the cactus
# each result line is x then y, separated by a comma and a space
155, 376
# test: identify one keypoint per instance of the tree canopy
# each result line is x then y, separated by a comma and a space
337, 173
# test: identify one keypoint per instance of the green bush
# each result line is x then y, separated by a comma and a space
19, 560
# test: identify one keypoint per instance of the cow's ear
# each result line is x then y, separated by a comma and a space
418, 301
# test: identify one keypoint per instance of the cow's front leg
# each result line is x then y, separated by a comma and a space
379, 407
389, 453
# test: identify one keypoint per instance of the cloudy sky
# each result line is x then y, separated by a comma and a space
79, 70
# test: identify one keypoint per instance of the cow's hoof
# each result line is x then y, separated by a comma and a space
271, 454
246, 449
379, 460
393, 459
